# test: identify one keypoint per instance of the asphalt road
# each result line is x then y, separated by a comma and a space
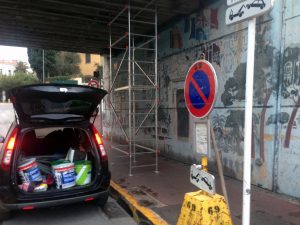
76, 214
6, 117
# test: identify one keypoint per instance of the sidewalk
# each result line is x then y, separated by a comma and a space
164, 192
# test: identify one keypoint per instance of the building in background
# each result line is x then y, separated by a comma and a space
90, 63
7, 67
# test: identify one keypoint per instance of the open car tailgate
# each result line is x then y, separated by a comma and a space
55, 102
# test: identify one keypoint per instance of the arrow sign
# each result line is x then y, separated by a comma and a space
247, 9
202, 180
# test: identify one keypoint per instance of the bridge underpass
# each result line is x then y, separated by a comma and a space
78, 26
82, 26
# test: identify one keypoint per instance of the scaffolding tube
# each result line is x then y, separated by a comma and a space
131, 86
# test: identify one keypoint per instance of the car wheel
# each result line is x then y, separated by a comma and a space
102, 200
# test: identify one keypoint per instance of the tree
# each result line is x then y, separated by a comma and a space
18, 79
56, 63
67, 63
21, 67
35, 58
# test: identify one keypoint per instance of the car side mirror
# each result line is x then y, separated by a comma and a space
2, 139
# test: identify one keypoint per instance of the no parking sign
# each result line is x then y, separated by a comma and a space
94, 83
200, 88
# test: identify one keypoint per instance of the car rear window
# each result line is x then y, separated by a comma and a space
46, 106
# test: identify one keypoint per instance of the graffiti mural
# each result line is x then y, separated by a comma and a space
212, 52
214, 24
175, 38
192, 30
199, 27
291, 86
265, 86
276, 118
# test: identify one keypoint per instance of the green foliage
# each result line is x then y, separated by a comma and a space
35, 58
21, 67
67, 64
18, 79
56, 63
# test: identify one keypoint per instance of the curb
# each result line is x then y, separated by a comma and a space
141, 214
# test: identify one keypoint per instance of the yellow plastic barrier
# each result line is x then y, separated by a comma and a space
200, 208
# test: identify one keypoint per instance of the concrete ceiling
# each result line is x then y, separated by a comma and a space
78, 25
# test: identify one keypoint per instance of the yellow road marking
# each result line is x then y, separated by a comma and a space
148, 213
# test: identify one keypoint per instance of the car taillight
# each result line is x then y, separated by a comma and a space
30, 207
100, 144
9, 149
89, 199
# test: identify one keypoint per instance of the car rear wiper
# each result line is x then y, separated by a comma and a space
57, 116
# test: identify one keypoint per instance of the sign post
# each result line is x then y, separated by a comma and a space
200, 90
248, 9
248, 122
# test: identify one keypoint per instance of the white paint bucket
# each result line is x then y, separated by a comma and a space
64, 174
29, 171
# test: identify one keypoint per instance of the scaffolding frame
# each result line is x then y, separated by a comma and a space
132, 44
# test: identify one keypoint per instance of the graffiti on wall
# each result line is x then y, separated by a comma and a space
228, 56
291, 86
175, 38
234, 93
196, 27
212, 52
199, 27
200, 24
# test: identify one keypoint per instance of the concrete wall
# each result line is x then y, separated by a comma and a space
288, 158
276, 121
226, 48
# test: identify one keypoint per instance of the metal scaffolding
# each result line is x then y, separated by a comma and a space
133, 82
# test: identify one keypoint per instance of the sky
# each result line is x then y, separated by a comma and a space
13, 53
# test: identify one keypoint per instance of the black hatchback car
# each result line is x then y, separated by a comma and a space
53, 154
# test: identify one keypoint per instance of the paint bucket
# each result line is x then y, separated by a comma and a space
83, 171
29, 171
64, 174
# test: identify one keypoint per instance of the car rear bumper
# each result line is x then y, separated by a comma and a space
49, 203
